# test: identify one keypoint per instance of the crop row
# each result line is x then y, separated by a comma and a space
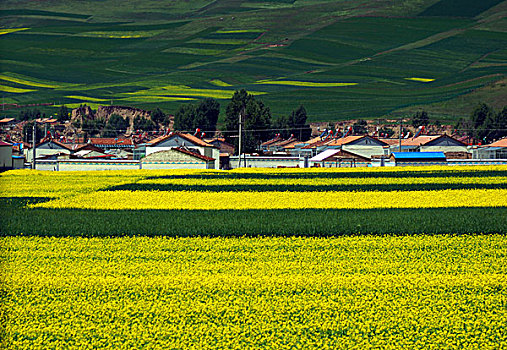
230, 223
215, 184
61, 184
234, 200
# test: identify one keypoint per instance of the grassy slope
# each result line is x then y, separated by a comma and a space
139, 54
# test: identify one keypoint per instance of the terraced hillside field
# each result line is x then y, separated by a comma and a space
341, 59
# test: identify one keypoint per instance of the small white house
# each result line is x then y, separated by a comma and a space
177, 158
364, 146
184, 141
434, 143
47, 148
5, 155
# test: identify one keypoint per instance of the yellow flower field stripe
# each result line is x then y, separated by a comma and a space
385, 292
122, 34
87, 98
194, 51
147, 98
422, 80
183, 90
218, 82
302, 83
92, 105
26, 82
330, 181
22, 183
5, 88
232, 31
190, 200
4, 31
220, 41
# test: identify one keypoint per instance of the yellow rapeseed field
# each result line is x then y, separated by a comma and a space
340, 292
414, 292
329, 181
238, 200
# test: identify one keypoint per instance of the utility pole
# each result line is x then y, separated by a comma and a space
34, 143
399, 147
239, 143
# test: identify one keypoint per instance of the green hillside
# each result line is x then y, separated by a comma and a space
340, 59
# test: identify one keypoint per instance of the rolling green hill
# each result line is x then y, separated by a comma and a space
340, 59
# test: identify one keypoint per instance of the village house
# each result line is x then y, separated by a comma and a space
418, 158
364, 146
433, 143
495, 150
48, 148
222, 145
338, 158
5, 155
265, 145
279, 146
177, 158
7, 123
184, 141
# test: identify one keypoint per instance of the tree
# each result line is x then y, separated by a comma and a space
63, 113
420, 118
144, 124
236, 107
29, 114
207, 113
480, 115
360, 127
184, 118
256, 120
281, 126
297, 123
115, 126
495, 125
158, 116
92, 126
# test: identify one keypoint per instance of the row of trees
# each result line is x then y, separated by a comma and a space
256, 119
30, 114
114, 126
485, 124
202, 116
257, 122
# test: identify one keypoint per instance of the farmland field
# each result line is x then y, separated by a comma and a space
282, 258
341, 59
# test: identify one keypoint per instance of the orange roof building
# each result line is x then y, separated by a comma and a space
499, 143
184, 141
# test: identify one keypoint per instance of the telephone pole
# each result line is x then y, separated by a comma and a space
399, 147
239, 141
34, 143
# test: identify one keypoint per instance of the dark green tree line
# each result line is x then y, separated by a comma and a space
294, 124
485, 125
256, 120
203, 116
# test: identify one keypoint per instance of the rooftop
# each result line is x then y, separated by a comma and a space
499, 143
419, 155
193, 154
191, 138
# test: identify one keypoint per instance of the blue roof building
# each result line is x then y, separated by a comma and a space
419, 158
